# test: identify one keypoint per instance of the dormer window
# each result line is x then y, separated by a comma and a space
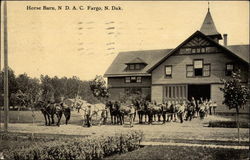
131, 66
136, 64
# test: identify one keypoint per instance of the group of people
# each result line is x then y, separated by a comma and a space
200, 107
185, 110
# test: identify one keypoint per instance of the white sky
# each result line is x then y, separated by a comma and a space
67, 43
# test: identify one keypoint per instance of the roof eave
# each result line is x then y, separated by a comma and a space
129, 74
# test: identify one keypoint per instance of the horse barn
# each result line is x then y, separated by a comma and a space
193, 69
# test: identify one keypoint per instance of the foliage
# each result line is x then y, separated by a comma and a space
162, 152
98, 87
25, 91
79, 148
13, 87
227, 124
131, 98
28, 89
235, 94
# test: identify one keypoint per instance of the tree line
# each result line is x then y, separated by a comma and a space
25, 90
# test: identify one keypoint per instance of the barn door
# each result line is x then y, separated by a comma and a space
175, 93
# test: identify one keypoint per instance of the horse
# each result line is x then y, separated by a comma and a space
114, 110
127, 110
49, 110
142, 111
152, 110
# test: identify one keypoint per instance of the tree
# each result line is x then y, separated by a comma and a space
29, 87
13, 86
235, 95
47, 88
99, 88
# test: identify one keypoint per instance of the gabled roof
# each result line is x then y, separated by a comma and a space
242, 51
150, 57
243, 56
136, 61
208, 26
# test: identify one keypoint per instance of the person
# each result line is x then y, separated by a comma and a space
181, 110
88, 116
104, 115
214, 107
194, 107
210, 103
131, 115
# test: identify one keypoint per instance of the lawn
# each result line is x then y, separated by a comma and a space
181, 153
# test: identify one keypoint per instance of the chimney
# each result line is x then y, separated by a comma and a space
225, 39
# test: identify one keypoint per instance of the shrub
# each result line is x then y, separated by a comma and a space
228, 124
80, 148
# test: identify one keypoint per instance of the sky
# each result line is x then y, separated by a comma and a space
84, 43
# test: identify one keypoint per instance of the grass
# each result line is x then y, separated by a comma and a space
19, 140
181, 153
26, 117
231, 121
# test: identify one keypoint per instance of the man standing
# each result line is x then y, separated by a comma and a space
131, 115
88, 116
104, 116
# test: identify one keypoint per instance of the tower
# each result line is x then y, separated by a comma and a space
209, 29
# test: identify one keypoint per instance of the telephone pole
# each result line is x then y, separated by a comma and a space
6, 87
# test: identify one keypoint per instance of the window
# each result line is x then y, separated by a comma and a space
206, 70
131, 66
193, 50
229, 69
198, 67
127, 79
133, 79
203, 50
138, 79
168, 71
190, 70
137, 66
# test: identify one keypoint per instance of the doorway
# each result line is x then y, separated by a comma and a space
199, 91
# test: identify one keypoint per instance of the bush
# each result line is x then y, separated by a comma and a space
227, 124
80, 148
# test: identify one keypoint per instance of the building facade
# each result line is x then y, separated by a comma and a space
192, 69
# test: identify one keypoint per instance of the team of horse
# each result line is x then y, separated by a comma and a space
147, 111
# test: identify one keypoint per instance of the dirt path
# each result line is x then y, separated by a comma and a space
190, 130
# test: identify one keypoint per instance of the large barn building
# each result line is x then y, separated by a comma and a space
192, 69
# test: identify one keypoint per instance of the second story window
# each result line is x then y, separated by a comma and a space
127, 79
133, 79
168, 71
198, 67
229, 69
138, 79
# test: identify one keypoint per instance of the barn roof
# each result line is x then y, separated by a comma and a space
150, 57
242, 51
